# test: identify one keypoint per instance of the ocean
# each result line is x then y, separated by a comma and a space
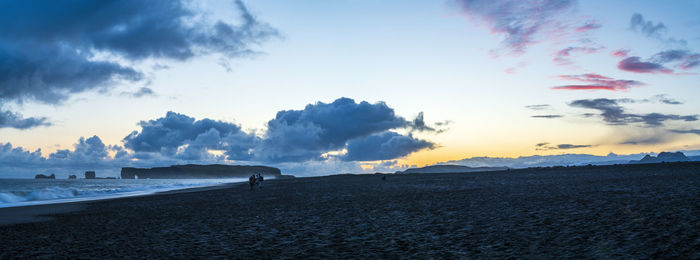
25, 192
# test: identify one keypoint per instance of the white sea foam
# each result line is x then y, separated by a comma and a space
15, 193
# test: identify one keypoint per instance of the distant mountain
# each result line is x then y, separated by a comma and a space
451, 168
559, 160
663, 157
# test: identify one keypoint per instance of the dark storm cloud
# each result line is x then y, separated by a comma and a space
519, 21
10, 119
384, 146
547, 116
299, 135
613, 113
166, 134
52, 49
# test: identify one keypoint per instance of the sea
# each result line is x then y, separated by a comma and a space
26, 192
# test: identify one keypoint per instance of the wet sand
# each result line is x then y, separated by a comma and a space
631, 211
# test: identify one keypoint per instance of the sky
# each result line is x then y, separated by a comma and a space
324, 87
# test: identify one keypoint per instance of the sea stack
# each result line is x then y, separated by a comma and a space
89, 174
72, 177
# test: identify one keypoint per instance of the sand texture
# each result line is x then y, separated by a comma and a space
628, 212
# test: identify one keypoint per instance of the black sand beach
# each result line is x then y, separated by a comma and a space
628, 211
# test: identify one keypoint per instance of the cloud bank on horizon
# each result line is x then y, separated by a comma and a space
342, 131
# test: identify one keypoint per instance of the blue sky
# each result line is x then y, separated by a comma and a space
491, 78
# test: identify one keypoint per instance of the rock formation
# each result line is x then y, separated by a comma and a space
72, 177
41, 176
194, 171
89, 174
663, 157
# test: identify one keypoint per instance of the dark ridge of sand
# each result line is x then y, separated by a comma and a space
650, 211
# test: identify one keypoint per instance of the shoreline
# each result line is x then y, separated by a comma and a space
42, 212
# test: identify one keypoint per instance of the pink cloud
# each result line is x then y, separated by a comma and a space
597, 82
621, 53
518, 20
634, 64
591, 25
561, 57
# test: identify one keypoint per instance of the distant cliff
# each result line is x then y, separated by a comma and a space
452, 168
41, 176
194, 171
663, 157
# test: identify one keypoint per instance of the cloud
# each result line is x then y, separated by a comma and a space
649, 29
620, 53
10, 119
141, 92
419, 124
337, 135
685, 59
614, 114
538, 107
184, 137
561, 57
666, 100
590, 25
597, 82
646, 27
299, 135
519, 21
691, 131
384, 146
634, 64
55, 49
547, 116
545, 146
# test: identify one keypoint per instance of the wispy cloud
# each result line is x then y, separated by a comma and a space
690, 131
590, 25
547, 116
614, 114
653, 30
597, 82
538, 106
620, 53
562, 56
546, 146
518, 21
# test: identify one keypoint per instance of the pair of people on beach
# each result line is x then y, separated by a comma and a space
255, 179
